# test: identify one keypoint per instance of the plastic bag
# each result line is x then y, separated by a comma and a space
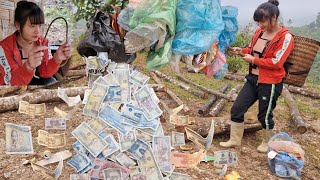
229, 34
199, 25
285, 164
124, 18
222, 72
216, 65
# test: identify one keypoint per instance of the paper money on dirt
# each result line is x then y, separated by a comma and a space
112, 173
51, 140
149, 165
95, 98
125, 160
209, 138
112, 146
18, 139
79, 177
66, 154
111, 79
100, 165
113, 94
138, 78
47, 172
138, 149
32, 109
60, 113
143, 97
187, 160
180, 120
122, 75
225, 157
177, 139
71, 101
89, 139
162, 149
126, 140
179, 176
195, 137
86, 96
54, 123
143, 136
98, 125
79, 162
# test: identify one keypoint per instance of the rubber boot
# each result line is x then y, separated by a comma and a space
266, 135
236, 133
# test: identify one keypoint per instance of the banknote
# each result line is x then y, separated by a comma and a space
55, 174
113, 94
92, 62
112, 65
124, 160
122, 66
92, 78
179, 176
86, 169
51, 140
195, 137
32, 109
126, 140
114, 119
225, 157
80, 149
95, 98
98, 125
150, 108
143, 123
100, 80
131, 112
102, 59
143, 136
86, 96
89, 139
149, 165
177, 139
112, 146
122, 75
176, 110
138, 78
71, 101
112, 173
79, 177
60, 113
113, 156
223, 171
79, 162
56, 157
100, 165
209, 138
18, 139
179, 159
111, 79
53, 123
138, 149
154, 96
179, 120
161, 149
159, 131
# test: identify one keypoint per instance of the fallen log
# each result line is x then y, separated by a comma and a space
74, 67
305, 92
219, 94
222, 126
294, 111
237, 77
72, 73
4, 90
182, 85
216, 110
170, 93
204, 110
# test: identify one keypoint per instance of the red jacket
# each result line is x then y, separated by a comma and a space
271, 70
14, 72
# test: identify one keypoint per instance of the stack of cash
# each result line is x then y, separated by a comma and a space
122, 102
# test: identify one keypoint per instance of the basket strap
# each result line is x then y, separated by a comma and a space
299, 72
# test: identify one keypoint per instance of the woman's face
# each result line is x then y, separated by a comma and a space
267, 24
31, 32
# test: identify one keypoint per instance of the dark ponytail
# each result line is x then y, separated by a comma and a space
267, 10
28, 10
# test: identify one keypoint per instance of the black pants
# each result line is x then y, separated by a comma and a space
267, 94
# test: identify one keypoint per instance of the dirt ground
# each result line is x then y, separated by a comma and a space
251, 165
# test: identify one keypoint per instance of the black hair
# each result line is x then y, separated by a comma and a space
267, 10
28, 10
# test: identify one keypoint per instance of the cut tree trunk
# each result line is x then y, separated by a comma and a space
72, 73
237, 77
304, 92
294, 111
170, 93
204, 111
216, 110
182, 85
4, 90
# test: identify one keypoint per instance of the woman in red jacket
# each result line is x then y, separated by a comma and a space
24, 54
266, 54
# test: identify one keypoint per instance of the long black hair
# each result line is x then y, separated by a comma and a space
266, 11
28, 10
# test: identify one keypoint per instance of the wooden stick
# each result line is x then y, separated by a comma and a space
304, 92
170, 93
204, 110
232, 76
182, 85
216, 110
294, 111
202, 87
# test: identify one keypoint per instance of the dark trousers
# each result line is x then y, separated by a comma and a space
267, 94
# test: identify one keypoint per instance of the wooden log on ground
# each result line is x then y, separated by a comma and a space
204, 110
219, 94
77, 66
4, 90
216, 110
58, 76
305, 92
182, 85
294, 111
72, 73
170, 93
41, 96
222, 125
237, 77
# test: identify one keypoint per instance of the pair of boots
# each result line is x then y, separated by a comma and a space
236, 133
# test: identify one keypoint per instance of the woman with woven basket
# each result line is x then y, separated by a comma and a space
24, 54
270, 47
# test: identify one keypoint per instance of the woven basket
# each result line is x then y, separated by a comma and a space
300, 60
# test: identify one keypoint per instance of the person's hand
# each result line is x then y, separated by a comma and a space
63, 53
248, 58
235, 50
35, 57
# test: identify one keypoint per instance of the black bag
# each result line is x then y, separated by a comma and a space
100, 37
